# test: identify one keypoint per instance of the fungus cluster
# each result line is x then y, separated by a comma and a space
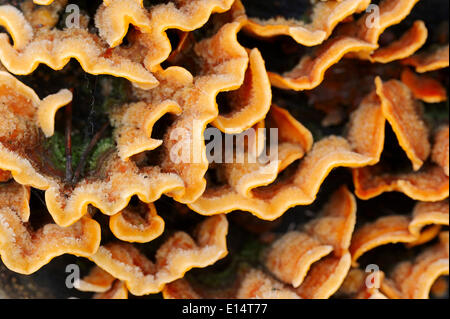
104, 118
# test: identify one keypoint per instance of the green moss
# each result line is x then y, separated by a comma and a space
95, 99
436, 113
102, 146
55, 146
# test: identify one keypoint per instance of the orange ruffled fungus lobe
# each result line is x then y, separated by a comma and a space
137, 224
432, 60
21, 144
149, 47
310, 71
400, 228
118, 291
174, 258
429, 184
97, 280
24, 249
423, 87
114, 16
403, 112
178, 92
103, 284
43, 2
370, 27
309, 263
362, 147
251, 102
413, 280
297, 258
324, 18
187, 182
56, 47
404, 47
358, 38
223, 62
254, 284
355, 286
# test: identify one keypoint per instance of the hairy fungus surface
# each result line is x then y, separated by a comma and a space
430, 60
5, 176
414, 279
251, 102
296, 258
133, 130
97, 280
440, 152
423, 87
324, 18
363, 147
176, 256
408, 44
428, 184
358, 38
402, 112
103, 285
374, 22
55, 48
21, 153
425, 182
122, 122
255, 284
114, 17
24, 249
193, 98
137, 224
308, 263
399, 228
356, 286
310, 71
117, 291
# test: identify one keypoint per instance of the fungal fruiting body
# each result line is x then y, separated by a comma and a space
212, 149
